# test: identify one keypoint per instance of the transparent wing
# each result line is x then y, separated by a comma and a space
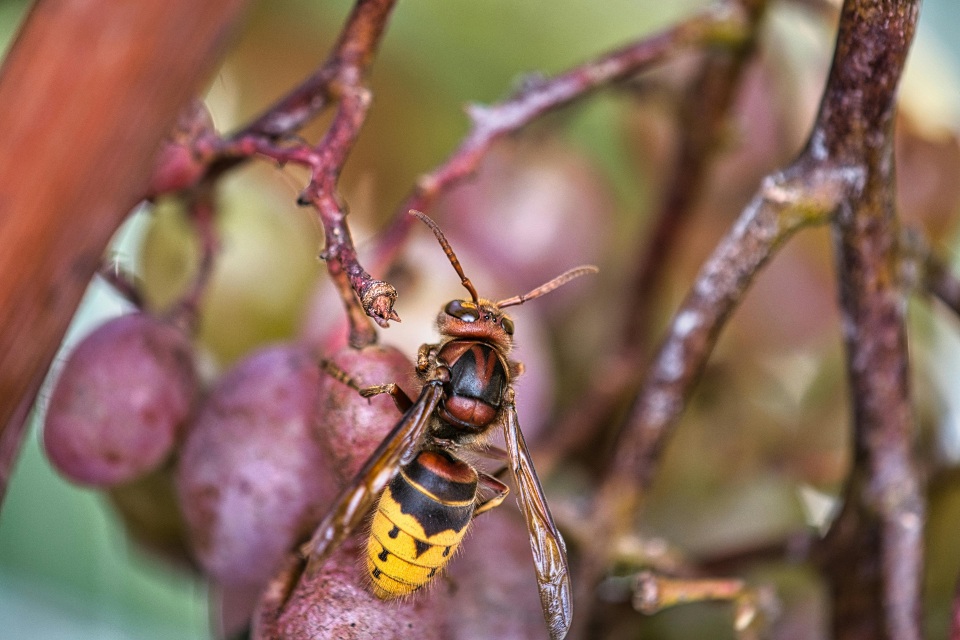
549, 550
353, 503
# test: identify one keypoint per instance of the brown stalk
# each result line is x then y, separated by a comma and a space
342, 77
872, 557
71, 169
340, 80
121, 282
873, 553
940, 280
703, 115
202, 205
723, 24
805, 194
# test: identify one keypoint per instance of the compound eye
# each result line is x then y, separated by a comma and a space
466, 311
507, 325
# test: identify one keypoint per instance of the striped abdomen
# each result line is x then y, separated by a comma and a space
420, 519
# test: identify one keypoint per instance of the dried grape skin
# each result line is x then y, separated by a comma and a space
121, 402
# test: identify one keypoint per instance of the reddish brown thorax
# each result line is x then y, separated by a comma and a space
474, 392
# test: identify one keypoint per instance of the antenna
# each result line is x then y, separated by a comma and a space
447, 250
560, 280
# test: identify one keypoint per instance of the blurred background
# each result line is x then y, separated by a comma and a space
760, 452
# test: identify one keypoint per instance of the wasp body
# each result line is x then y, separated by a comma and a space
419, 522
426, 496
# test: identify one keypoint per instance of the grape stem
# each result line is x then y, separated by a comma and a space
202, 209
341, 80
725, 25
872, 555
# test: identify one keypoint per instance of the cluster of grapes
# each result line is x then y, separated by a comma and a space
230, 478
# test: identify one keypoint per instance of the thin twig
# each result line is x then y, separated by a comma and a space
341, 79
723, 24
121, 282
805, 194
361, 294
186, 313
701, 122
925, 272
940, 280
351, 56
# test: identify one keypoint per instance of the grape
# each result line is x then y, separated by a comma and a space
121, 401
252, 477
480, 598
495, 599
352, 426
337, 604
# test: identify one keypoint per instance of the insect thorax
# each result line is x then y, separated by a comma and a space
473, 395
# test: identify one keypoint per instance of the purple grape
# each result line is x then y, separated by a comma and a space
121, 402
252, 478
353, 426
336, 603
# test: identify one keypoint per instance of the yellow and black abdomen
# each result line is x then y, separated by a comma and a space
420, 519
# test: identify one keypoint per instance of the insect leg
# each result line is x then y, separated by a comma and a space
400, 398
338, 374
353, 503
425, 355
500, 493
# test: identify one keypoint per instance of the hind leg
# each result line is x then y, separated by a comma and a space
499, 490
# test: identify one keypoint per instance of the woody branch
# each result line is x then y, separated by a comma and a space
340, 80
873, 555
874, 548
727, 24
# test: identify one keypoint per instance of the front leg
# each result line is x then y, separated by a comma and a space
400, 398
426, 357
